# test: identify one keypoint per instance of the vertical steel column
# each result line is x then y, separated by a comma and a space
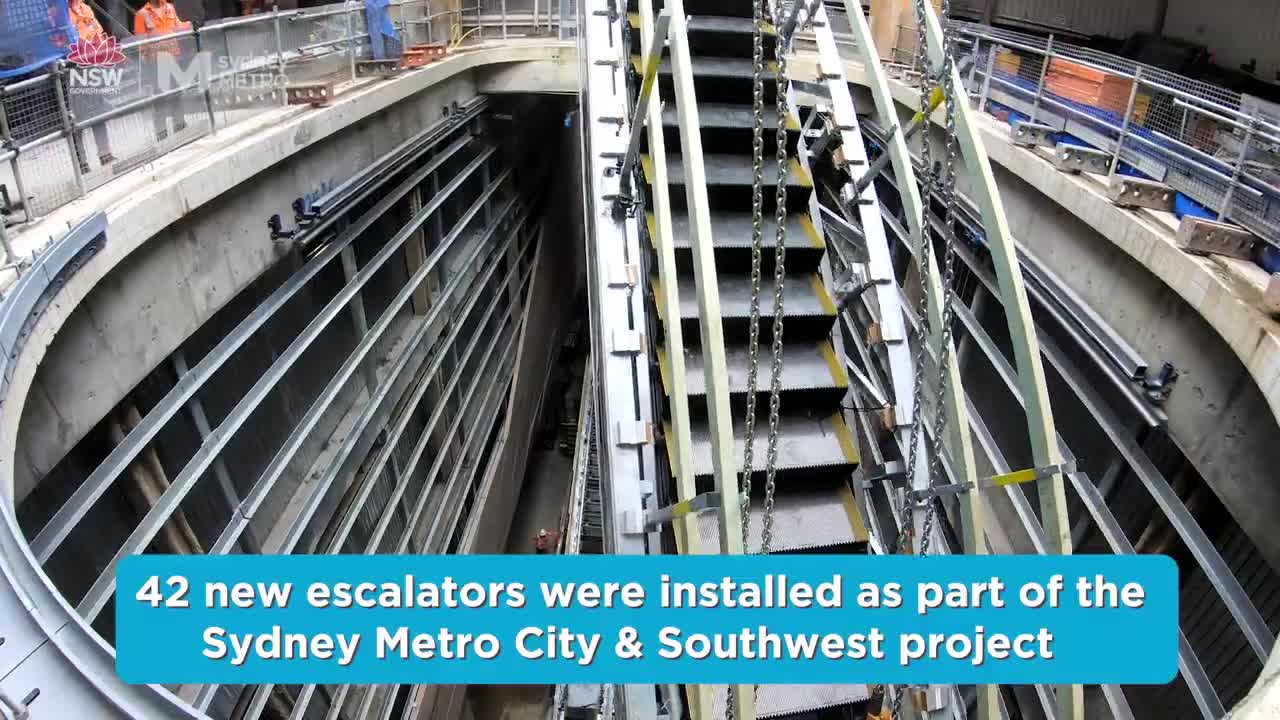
60, 89
358, 318
1238, 169
195, 409
1044, 70
973, 67
1026, 347
1128, 118
10, 257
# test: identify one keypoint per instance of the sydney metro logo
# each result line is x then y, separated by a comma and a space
95, 64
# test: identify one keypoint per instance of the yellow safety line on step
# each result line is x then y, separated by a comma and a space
851, 510
646, 164
815, 238
651, 223
824, 299
636, 60
671, 451
801, 176
656, 282
793, 123
633, 19
664, 369
833, 364
844, 438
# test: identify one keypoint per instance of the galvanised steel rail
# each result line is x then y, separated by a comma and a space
50, 647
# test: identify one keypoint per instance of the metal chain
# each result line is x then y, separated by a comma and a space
946, 189
757, 235
779, 278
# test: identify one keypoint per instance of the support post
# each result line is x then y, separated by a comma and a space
1128, 118
1044, 70
351, 44
60, 89
358, 318
719, 414
956, 440
986, 80
686, 528
1238, 169
1031, 379
279, 38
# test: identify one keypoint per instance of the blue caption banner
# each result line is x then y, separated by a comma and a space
669, 619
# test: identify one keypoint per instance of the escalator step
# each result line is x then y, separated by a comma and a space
812, 451
715, 35
731, 234
811, 375
729, 182
716, 79
798, 701
809, 311
809, 520
726, 128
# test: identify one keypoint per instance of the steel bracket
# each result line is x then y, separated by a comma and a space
1029, 134
634, 433
1135, 192
1075, 159
624, 275
627, 342
1201, 236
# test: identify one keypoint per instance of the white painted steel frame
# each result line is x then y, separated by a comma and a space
715, 368
623, 386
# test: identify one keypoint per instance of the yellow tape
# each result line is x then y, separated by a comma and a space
1014, 478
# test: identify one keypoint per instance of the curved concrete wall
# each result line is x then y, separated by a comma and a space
188, 233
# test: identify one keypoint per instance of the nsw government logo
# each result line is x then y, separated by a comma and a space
96, 66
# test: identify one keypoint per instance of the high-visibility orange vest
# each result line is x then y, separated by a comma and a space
154, 21
86, 23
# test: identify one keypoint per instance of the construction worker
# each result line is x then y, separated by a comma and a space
85, 106
158, 18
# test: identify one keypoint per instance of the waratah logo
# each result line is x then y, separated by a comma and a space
100, 53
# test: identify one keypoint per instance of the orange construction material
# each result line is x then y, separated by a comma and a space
1087, 85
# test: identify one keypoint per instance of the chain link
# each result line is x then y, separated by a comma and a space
757, 235
946, 188
779, 278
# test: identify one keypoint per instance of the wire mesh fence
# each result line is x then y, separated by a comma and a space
1191, 135
73, 126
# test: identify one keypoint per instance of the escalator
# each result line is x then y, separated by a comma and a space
814, 509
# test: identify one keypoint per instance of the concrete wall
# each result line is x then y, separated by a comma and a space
189, 233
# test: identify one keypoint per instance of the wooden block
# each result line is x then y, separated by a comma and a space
1271, 296
1201, 236
315, 94
1134, 192
434, 51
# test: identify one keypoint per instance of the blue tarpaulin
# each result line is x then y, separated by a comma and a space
33, 33
383, 38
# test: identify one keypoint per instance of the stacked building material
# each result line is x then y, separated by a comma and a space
1008, 62
1088, 85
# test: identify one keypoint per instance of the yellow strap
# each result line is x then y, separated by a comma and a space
1015, 477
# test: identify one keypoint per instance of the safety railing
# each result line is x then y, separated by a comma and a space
1213, 145
86, 120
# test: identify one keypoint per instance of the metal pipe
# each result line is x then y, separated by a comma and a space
279, 37
10, 256
351, 44
986, 80
208, 98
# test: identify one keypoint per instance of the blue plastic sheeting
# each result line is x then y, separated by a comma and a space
33, 33
1183, 205
383, 38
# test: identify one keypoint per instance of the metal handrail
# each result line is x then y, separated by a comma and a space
69, 126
